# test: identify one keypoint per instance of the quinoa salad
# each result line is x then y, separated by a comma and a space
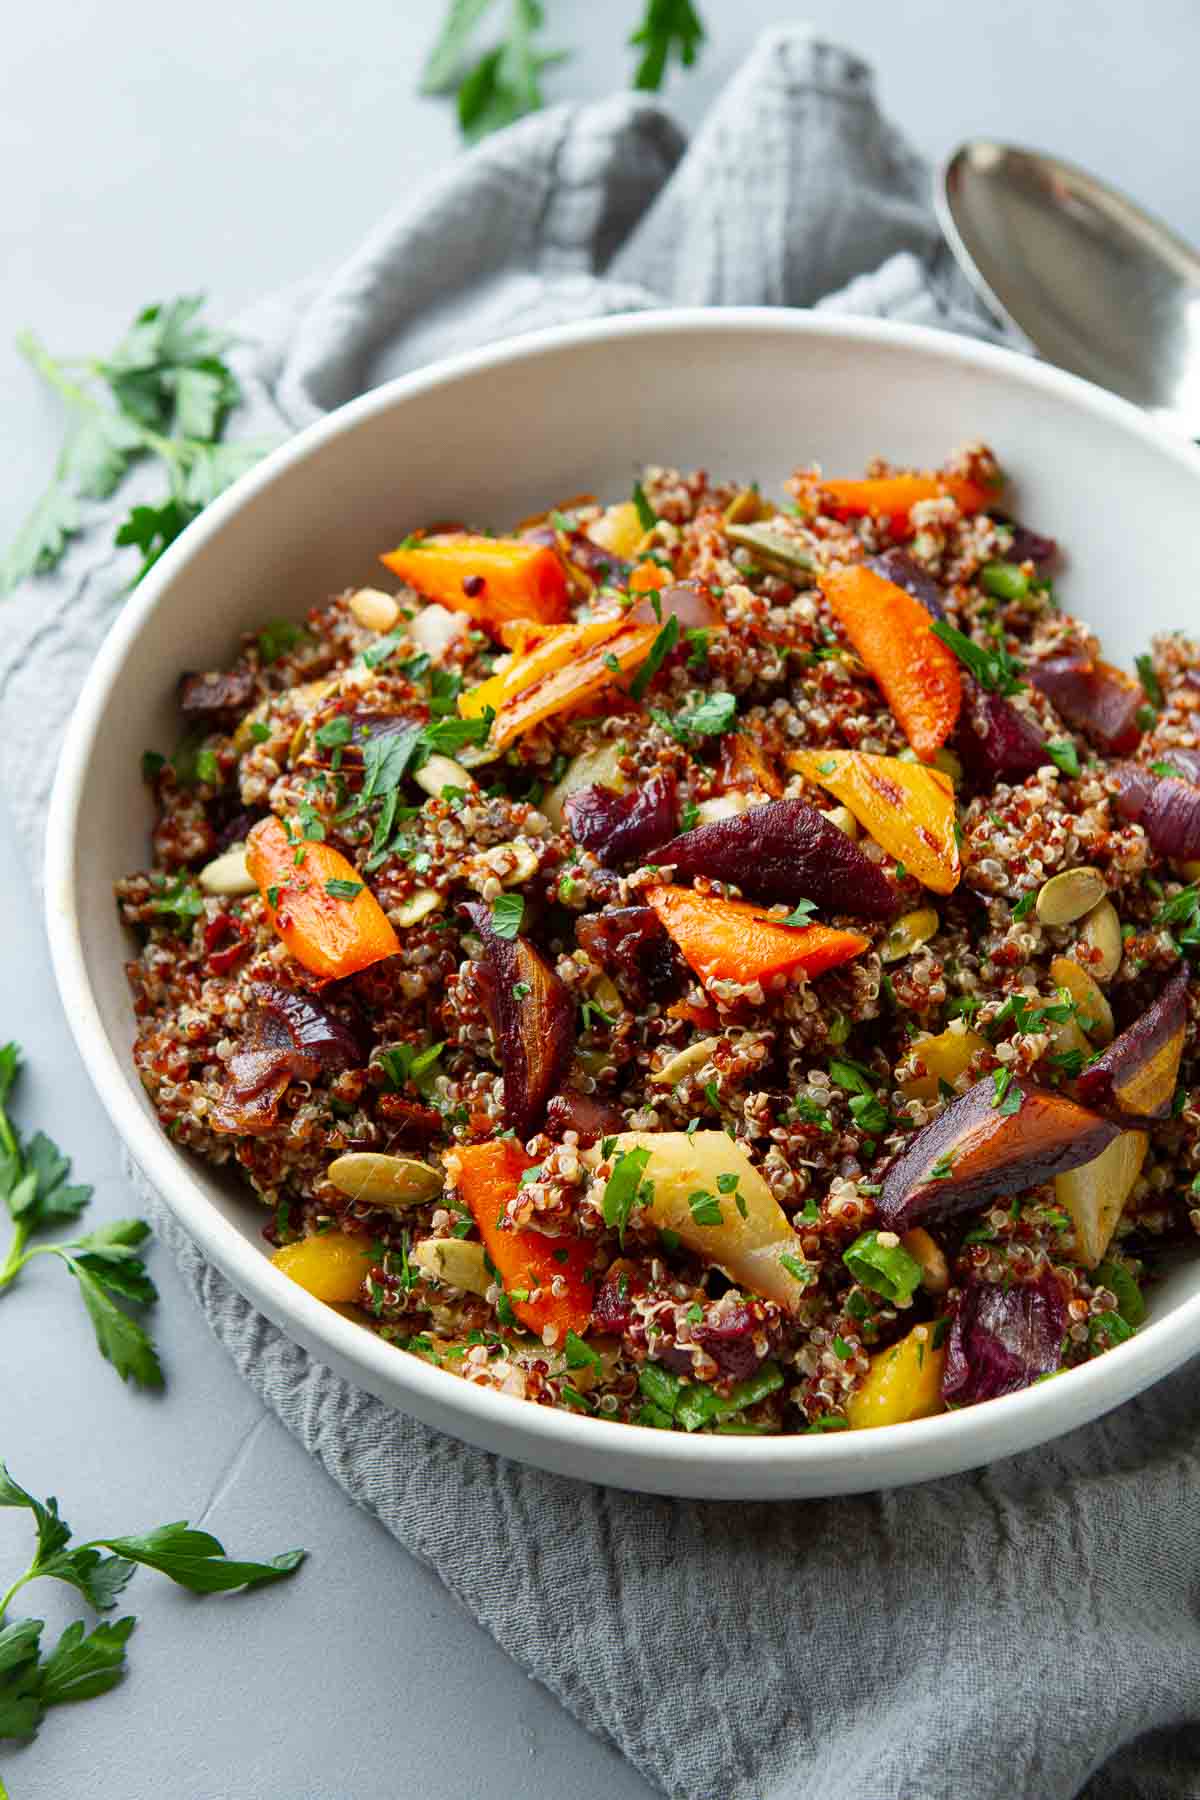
707, 961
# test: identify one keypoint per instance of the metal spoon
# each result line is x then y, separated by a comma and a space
1096, 284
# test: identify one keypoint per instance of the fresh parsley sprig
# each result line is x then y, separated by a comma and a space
106, 1263
165, 392
994, 669
503, 83
83, 1664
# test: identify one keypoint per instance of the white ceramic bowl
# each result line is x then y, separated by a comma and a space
494, 435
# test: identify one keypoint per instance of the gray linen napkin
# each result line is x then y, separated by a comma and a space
1028, 1630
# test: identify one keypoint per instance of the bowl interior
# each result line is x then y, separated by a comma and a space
501, 436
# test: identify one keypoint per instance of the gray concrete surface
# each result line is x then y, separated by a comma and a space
148, 151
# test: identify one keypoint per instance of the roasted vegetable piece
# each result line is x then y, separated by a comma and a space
945, 1058
995, 741
902, 1383
906, 807
289, 1036
785, 850
535, 655
587, 675
1095, 698
688, 601
1166, 807
330, 1266
729, 940
1002, 1338
743, 766
709, 1193
532, 1018
897, 566
216, 696
492, 579
588, 1115
774, 550
976, 1150
1135, 1078
891, 498
333, 934
1095, 1193
549, 1280
623, 828
890, 630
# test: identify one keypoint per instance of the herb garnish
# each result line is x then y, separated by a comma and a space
106, 1262
993, 669
624, 1188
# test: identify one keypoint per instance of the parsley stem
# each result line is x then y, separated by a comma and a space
8, 1137
15, 1261
7, 1599
176, 451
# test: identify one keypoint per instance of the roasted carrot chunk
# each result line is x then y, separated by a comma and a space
493, 579
892, 497
907, 808
730, 940
322, 909
891, 632
648, 576
557, 1269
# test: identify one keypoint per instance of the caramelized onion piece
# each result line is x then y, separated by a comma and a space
630, 944
897, 566
974, 1151
1002, 1339
1166, 807
534, 1027
1095, 698
588, 1116
688, 601
623, 828
785, 850
290, 1036
995, 741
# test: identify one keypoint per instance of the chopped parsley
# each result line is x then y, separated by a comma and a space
801, 914
660, 649
993, 669
885, 1269
344, 890
647, 517
705, 1208
709, 718
624, 1188
1151, 685
1064, 755
508, 913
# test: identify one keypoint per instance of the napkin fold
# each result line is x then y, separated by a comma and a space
1028, 1630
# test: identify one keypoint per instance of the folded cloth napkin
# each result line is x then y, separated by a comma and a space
1025, 1631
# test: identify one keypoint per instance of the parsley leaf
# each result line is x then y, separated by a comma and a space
508, 912
667, 26
993, 669
344, 890
660, 649
647, 517
801, 914
1151, 685
37, 1193
1064, 755
623, 1189
712, 716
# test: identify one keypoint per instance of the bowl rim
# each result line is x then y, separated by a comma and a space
949, 1441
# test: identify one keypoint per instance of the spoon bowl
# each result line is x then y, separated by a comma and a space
1096, 284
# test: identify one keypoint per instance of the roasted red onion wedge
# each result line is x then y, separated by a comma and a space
623, 828
995, 741
898, 567
1166, 808
784, 850
290, 1036
1027, 545
1135, 1078
218, 695
688, 601
978, 1149
532, 1018
1095, 698
1002, 1339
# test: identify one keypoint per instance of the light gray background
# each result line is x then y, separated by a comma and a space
152, 150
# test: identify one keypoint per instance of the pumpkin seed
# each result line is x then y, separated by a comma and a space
1069, 895
393, 1182
418, 906
1092, 1010
456, 1261
228, 875
783, 555
908, 934
745, 508
685, 1062
1101, 932
375, 611
438, 772
843, 818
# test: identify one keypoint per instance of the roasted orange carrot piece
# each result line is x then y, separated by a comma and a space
333, 929
730, 940
569, 687
906, 807
493, 579
647, 577
891, 632
892, 497
556, 646
557, 1269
